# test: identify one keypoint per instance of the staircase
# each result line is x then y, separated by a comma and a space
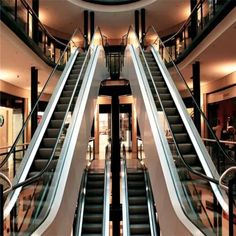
138, 208
93, 208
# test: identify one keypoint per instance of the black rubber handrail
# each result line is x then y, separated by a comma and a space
36, 104
193, 99
176, 143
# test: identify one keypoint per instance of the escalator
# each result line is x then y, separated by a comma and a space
138, 208
93, 208
33, 195
177, 160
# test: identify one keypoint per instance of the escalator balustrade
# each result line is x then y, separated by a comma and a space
33, 196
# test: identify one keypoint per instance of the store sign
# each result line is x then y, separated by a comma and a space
1, 120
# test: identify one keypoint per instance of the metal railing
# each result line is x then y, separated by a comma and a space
27, 121
199, 19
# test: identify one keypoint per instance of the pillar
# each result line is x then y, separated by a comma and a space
143, 24
193, 31
34, 97
91, 25
86, 28
136, 22
115, 165
35, 30
196, 94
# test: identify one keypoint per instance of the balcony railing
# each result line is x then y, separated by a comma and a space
28, 23
204, 14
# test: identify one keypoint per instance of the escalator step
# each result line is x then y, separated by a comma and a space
59, 115
138, 200
69, 87
94, 200
135, 176
170, 110
140, 229
95, 177
75, 70
61, 107
181, 137
46, 175
157, 78
93, 208
55, 123
191, 159
39, 164
95, 184
69, 82
52, 133
91, 228
137, 219
174, 119
163, 90
94, 192
185, 148
93, 218
73, 76
138, 209
49, 142
45, 152
136, 184
165, 96
136, 192
178, 128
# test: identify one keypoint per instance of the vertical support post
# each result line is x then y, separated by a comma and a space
1, 209
115, 165
136, 22
194, 26
91, 25
34, 97
196, 92
86, 29
143, 24
35, 32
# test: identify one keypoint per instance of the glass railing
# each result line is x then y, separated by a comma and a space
197, 198
216, 151
47, 88
202, 15
29, 202
29, 24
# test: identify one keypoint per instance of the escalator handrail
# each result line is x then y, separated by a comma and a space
80, 204
36, 104
106, 199
174, 139
150, 202
37, 176
125, 205
195, 103
229, 170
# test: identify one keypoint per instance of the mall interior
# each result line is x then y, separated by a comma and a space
118, 117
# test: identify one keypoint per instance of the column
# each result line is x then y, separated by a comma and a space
193, 31
196, 94
34, 97
35, 30
143, 24
115, 165
86, 28
136, 22
91, 25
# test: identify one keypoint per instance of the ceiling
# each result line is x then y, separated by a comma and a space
63, 16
